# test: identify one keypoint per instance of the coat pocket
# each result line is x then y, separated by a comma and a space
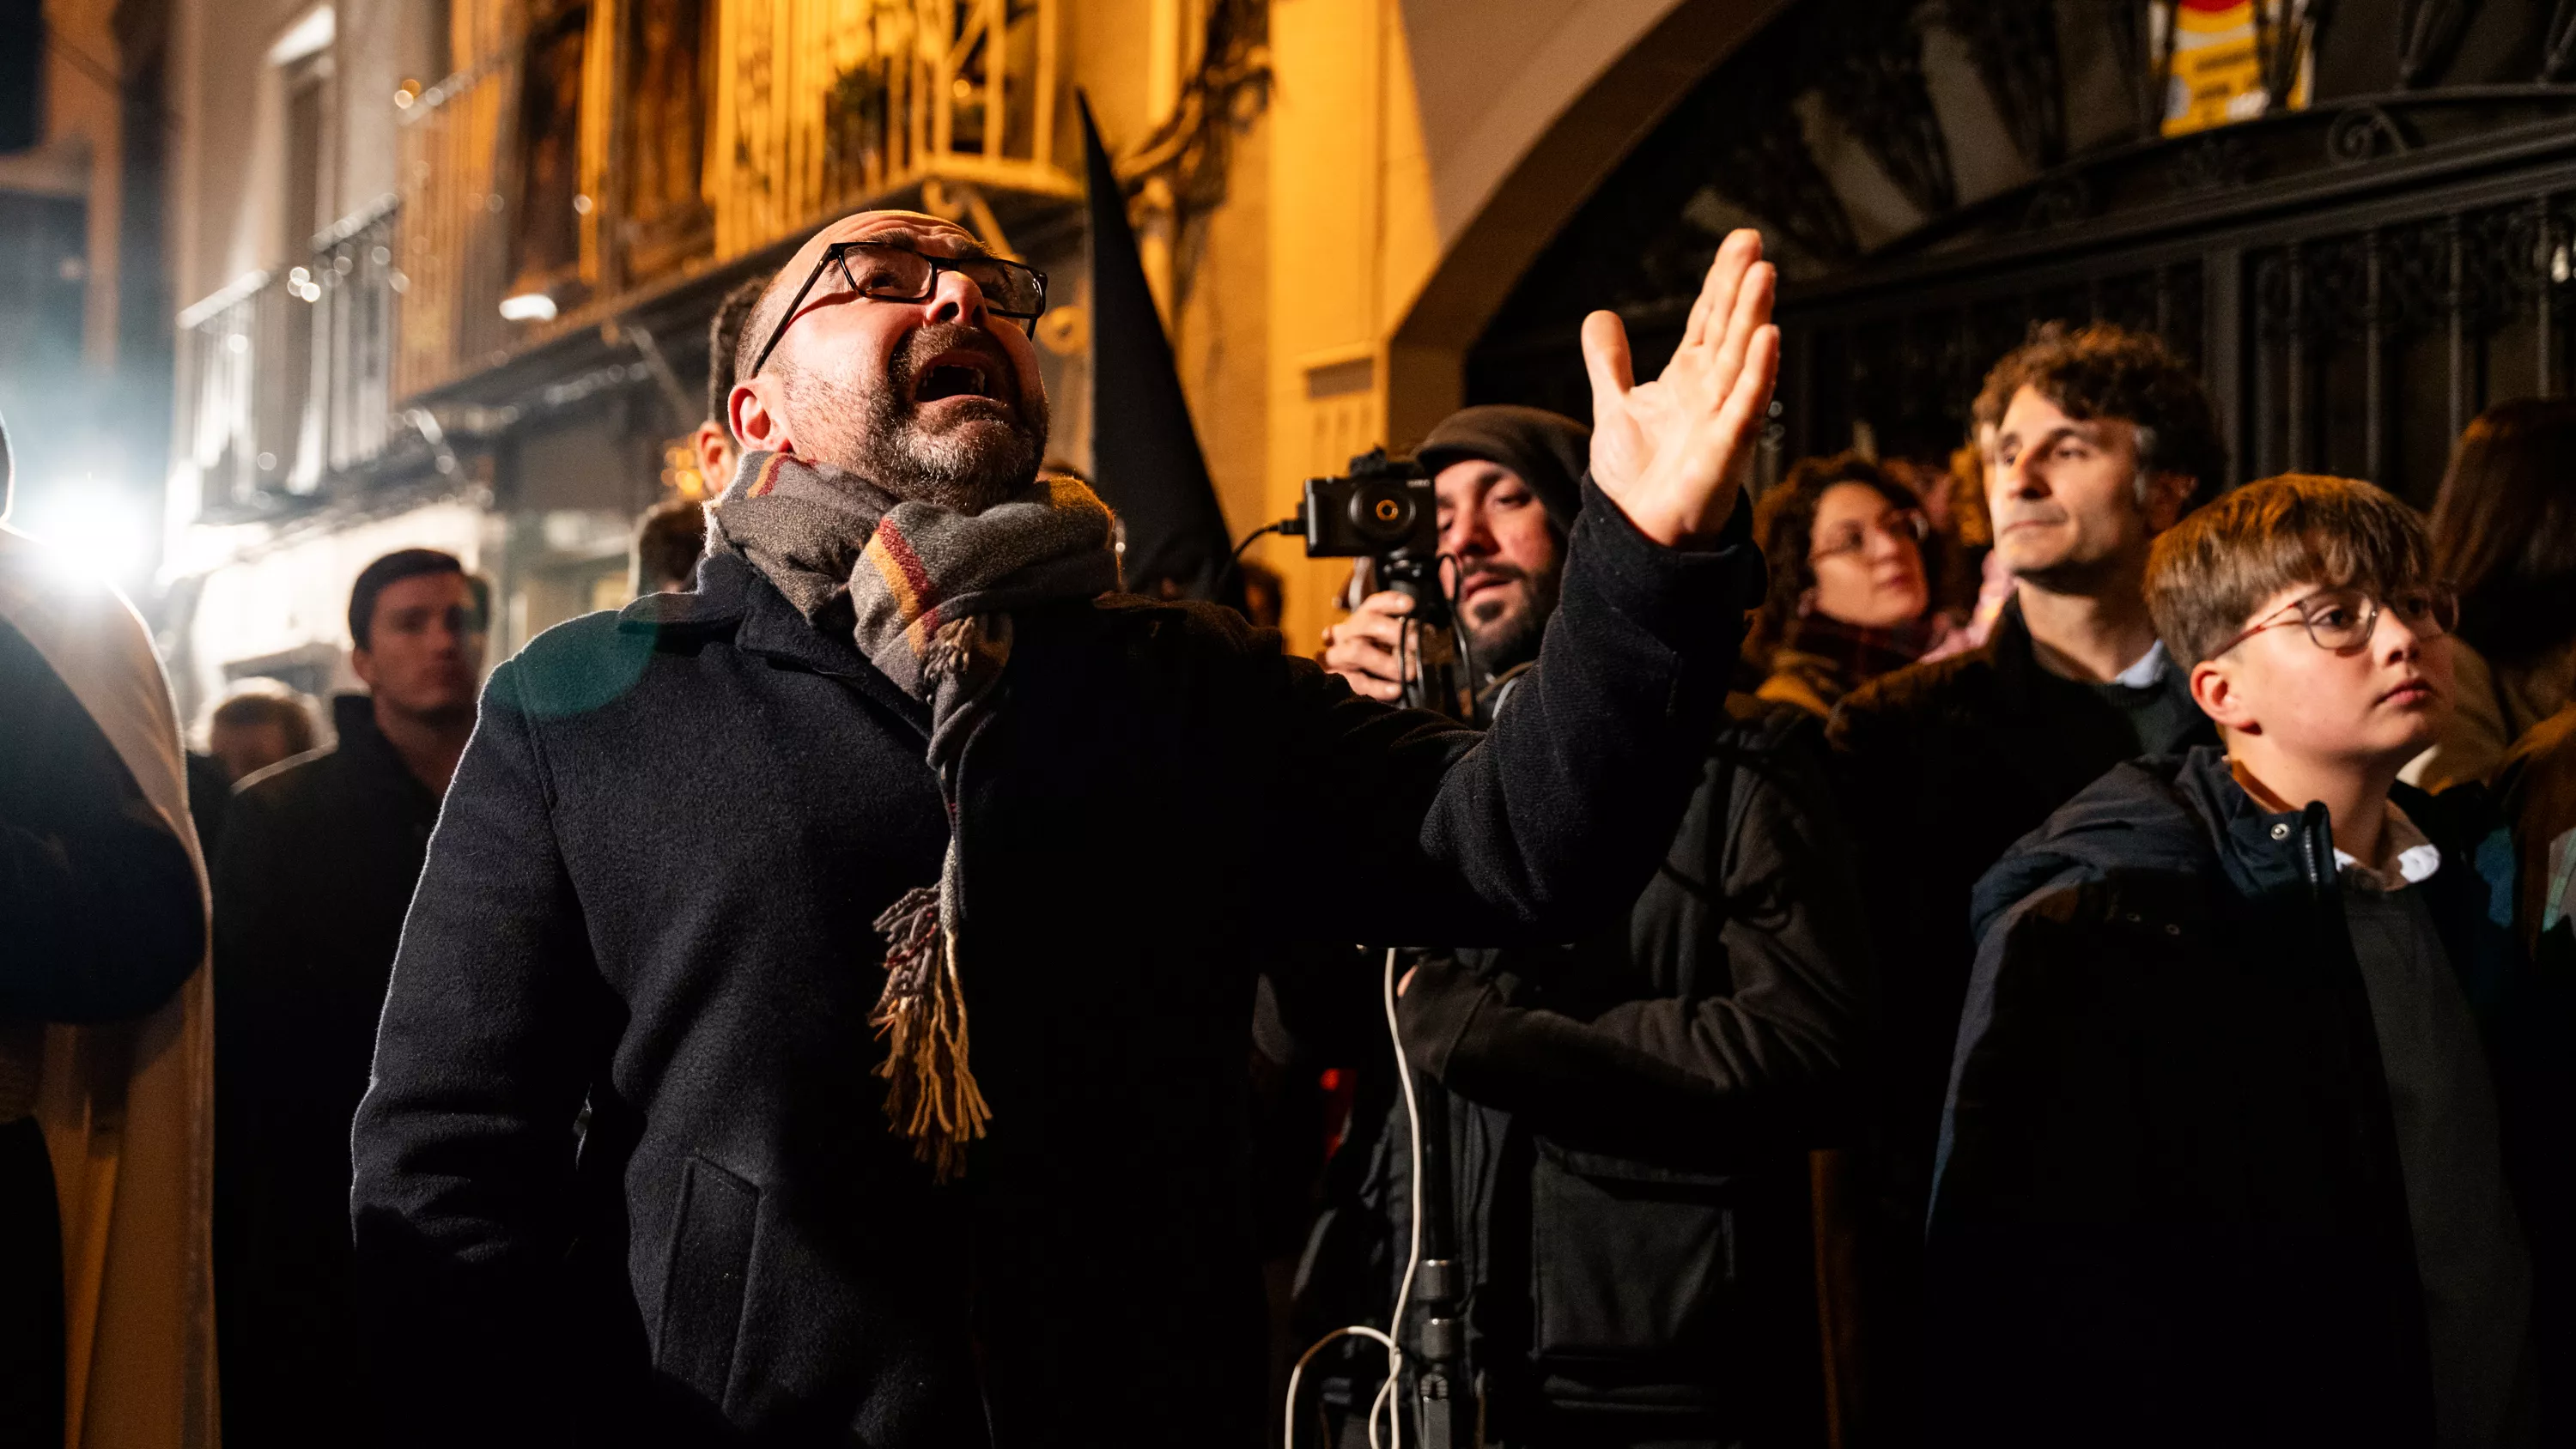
702, 1284
1629, 1260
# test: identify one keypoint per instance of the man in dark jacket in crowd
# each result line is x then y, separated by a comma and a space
937, 722
2103, 440
320, 855
1630, 1114
2258, 1132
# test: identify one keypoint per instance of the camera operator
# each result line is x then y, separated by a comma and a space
1629, 1146
1509, 481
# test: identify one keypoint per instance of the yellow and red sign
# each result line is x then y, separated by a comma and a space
2217, 51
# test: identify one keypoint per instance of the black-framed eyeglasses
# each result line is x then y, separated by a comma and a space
1905, 525
2342, 620
892, 272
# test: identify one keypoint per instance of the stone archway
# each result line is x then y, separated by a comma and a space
1518, 136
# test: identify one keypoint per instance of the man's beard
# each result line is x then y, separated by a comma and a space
874, 428
2075, 572
1511, 638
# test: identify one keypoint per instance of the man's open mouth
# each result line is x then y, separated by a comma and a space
958, 374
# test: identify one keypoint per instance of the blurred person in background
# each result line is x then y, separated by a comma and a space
2536, 789
717, 448
671, 536
1976, 584
255, 724
1913, 452
251, 726
669, 540
1850, 596
2504, 535
1265, 594
317, 867
105, 1027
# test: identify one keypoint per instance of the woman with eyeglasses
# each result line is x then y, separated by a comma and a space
2504, 533
1851, 590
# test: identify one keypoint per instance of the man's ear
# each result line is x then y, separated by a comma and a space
755, 421
2215, 690
363, 665
710, 443
2168, 495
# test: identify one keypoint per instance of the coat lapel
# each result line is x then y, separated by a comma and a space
732, 599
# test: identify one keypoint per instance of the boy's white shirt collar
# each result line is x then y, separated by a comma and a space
2411, 858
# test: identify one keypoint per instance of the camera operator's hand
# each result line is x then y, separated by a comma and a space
1671, 452
1369, 648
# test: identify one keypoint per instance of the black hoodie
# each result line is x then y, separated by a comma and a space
2169, 1206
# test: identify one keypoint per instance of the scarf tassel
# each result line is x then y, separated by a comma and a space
931, 1096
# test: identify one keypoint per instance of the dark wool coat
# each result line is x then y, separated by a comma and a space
618, 912
1634, 1118
320, 855
2170, 1208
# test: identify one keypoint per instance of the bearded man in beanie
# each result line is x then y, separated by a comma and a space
1509, 480
807, 1208
1630, 1113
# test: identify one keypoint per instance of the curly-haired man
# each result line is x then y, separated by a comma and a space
2102, 439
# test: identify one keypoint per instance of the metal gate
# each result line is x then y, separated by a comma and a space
2351, 319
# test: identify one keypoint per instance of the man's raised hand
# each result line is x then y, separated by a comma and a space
1671, 452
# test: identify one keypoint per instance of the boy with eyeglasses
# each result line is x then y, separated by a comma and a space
2257, 1105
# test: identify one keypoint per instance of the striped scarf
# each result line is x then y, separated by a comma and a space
927, 594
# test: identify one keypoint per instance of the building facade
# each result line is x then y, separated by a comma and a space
448, 266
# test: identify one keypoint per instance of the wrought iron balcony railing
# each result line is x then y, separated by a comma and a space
284, 376
628, 145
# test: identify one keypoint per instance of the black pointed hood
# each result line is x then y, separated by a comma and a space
1145, 457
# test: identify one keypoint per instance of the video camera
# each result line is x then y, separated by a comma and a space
1385, 511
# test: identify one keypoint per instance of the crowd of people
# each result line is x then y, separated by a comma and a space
2029, 946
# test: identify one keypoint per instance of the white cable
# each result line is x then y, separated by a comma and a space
1412, 1263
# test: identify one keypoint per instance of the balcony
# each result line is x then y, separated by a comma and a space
624, 149
284, 377
614, 166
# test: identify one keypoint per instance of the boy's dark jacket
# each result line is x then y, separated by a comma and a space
2169, 1206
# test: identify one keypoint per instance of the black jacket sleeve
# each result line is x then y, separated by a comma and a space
1549, 823
464, 1145
1760, 1058
101, 916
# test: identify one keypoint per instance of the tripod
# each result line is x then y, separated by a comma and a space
1443, 1393
1439, 678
